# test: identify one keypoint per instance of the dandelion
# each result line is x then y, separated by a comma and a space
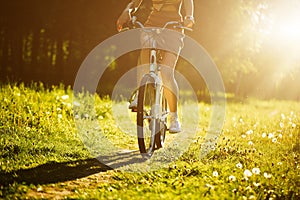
256, 170
294, 125
58, 109
239, 165
282, 116
279, 163
241, 120
215, 174
266, 175
243, 136
65, 97
263, 135
247, 173
249, 132
280, 135
231, 178
271, 135
250, 143
59, 116
281, 125
274, 140
210, 186
76, 103
256, 184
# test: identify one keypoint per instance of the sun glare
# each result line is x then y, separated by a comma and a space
288, 28
286, 23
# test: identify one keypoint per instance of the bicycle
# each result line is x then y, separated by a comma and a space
152, 108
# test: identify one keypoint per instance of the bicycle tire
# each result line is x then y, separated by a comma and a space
150, 131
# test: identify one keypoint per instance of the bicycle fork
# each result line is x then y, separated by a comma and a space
155, 110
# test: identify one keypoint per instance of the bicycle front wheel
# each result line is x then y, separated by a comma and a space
145, 121
151, 116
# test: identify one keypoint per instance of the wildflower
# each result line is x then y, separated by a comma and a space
256, 171
274, 140
59, 116
239, 165
294, 125
210, 186
65, 97
250, 143
76, 103
282, 116
249, 132
279, 163
215, 174
281, 125
58, 109
271, 135
231, 178
280, 135
263, 135
256, 184
247, 173
266, 175
243, 136
241, 120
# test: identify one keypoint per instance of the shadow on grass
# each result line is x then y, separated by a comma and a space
54, 172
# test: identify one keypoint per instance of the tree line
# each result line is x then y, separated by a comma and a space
48, 40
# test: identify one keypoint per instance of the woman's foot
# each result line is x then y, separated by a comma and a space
174, 123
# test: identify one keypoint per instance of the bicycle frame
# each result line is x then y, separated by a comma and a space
156, 116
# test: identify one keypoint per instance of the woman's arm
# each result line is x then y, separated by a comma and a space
189, 13
126, 14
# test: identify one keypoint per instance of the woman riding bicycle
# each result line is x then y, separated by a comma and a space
164, 11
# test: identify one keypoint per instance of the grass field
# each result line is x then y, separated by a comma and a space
42, 154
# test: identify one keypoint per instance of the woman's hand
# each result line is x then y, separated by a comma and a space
124, 18
189, 21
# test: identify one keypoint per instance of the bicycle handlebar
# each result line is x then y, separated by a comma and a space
175, 23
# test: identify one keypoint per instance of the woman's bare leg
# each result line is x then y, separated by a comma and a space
167, 72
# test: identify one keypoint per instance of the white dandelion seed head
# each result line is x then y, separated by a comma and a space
279, 163
263, 135
65, 97
76, 103
271, 135
239, 165
215, 174
256, 170
266, 175
256, 184
231, 178
281, 125
247, 173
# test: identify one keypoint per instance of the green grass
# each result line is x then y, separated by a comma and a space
42, 154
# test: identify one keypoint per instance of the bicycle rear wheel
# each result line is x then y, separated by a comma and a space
150, 129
